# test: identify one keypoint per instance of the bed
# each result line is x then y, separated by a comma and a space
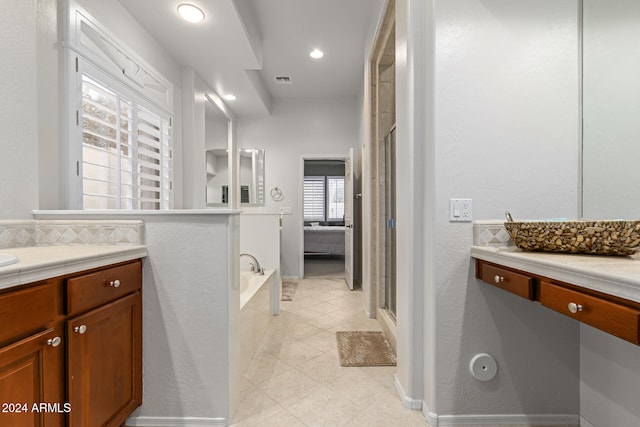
324, 240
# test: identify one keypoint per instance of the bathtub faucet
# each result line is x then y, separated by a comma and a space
255, 265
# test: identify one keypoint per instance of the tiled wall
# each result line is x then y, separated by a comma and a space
22, 233
490, 233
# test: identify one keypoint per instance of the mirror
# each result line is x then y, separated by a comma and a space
611, 109
251, 176
216, 131
251, 163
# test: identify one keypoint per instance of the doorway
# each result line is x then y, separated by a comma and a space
323, 218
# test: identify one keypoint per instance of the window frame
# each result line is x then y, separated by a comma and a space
325, 198
82, 67
90, 45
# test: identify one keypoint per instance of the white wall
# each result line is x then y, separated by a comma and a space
50, 114
413, 76
296, 128
18, 110
609, 379
505, 133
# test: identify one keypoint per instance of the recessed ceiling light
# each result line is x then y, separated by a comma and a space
190, 12
316, 54
230, 97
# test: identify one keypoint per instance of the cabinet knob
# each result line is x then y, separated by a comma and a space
114, 283
498, 279
574, 308
54, 342
80, 329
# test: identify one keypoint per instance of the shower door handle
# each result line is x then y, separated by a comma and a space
391, 223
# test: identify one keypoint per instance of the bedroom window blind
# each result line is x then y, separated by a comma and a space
126, 151
314, 198
323, 198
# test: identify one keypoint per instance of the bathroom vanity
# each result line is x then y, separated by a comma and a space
603, 292
71, 336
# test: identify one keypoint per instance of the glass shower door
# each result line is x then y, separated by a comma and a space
390, 216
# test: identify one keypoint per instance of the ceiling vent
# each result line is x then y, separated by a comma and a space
283, 80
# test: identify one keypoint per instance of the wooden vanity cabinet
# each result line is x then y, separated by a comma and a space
514, 281
104, 330
32, 353
611, 314
105, 363
597, 310
74, 343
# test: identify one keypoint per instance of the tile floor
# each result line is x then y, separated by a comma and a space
296, 380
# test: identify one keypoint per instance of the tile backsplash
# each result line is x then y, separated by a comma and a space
490, 233
23, 233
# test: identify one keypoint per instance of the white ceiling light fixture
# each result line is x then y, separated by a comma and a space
191, 13
316, 54
230, 97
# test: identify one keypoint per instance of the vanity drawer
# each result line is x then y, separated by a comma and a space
92, 290
611, 317
29, 310
511, 281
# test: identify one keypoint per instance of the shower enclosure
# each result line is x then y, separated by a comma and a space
390, 217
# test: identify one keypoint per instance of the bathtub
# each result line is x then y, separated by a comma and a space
256, 292
252, 284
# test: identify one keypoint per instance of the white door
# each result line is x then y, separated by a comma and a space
348, 218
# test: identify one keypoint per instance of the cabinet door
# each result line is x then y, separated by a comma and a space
31, 381
105, 363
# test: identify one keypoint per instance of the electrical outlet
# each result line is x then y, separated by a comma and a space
460, 210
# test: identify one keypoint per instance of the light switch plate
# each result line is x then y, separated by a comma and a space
460, 210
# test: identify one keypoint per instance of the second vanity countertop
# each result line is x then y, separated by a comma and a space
618, 276
44, 262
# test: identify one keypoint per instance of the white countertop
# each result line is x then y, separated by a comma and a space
618, 276
43, 262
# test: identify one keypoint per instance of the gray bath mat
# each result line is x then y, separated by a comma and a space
288, 290
364, 348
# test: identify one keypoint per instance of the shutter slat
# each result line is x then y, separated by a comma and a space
108, 173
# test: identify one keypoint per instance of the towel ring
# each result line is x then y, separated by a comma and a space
276, 194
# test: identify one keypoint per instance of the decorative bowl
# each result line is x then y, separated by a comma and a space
606, 237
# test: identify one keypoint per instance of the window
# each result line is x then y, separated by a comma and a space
323, 198
119, 117
126, 150
335, 198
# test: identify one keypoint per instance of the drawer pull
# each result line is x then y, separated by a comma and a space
80, 329
574, 308
498, 279
114, 283
54, 342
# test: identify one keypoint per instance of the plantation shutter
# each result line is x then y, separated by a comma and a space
126, 152
314, 198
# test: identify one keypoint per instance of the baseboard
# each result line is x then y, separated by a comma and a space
436, 420
408, 402
175, 422
290, 277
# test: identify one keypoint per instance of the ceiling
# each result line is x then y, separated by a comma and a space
243, 44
